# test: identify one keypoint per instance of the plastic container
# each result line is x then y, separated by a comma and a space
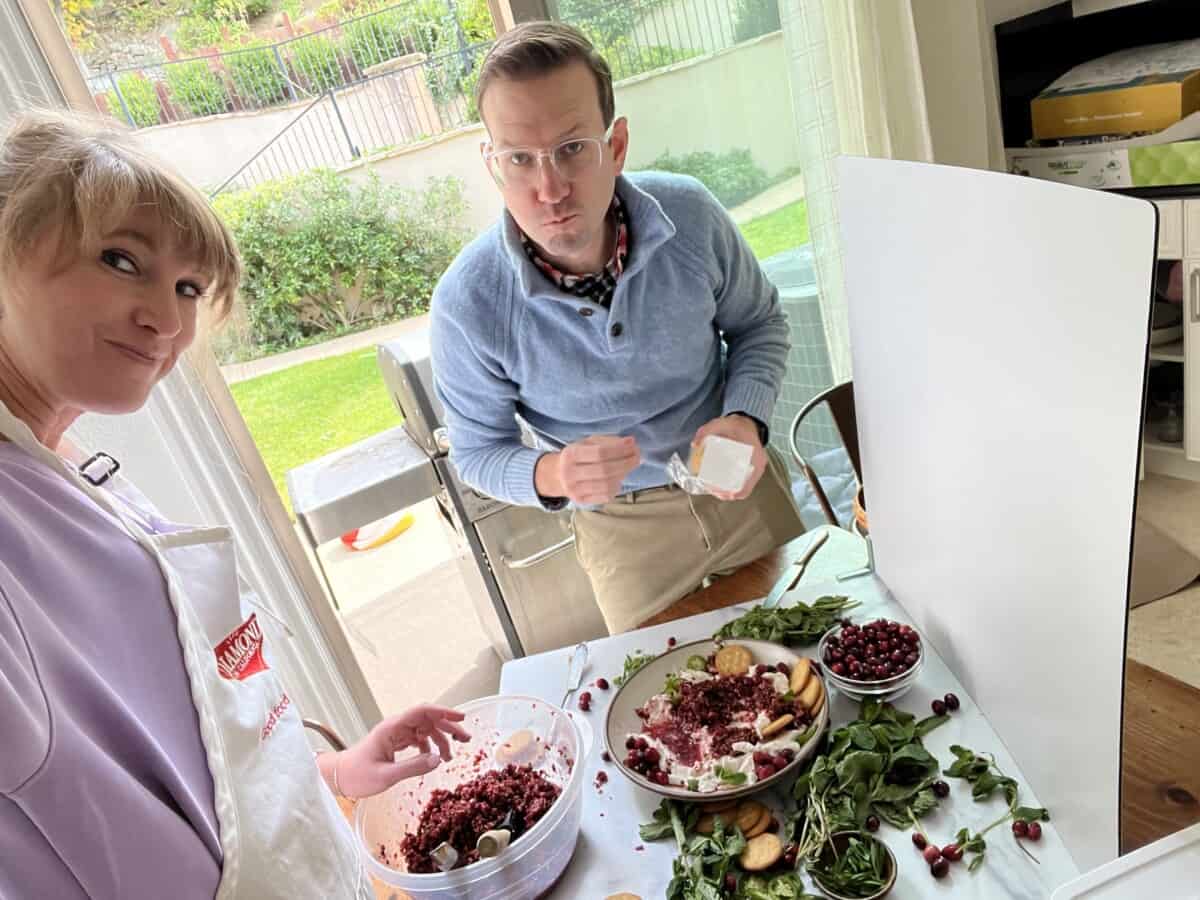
533, 863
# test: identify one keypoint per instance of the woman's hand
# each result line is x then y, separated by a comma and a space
370, 766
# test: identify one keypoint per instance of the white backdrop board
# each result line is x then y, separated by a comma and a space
999, 330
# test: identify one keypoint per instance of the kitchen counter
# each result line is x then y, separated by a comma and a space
612, 858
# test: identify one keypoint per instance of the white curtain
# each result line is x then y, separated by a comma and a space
857, 89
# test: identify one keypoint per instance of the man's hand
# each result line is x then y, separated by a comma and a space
370, 766
588, 472
739, 428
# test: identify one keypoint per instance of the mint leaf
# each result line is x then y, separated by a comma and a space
730, 777
1031, 814
929, 723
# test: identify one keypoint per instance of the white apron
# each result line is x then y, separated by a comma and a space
282, 833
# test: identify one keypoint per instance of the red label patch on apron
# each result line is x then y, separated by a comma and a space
240, 655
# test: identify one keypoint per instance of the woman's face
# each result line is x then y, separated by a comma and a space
97, 333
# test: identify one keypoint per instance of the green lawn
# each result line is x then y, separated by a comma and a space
781, 230
304, 412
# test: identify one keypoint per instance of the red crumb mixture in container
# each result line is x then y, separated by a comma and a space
460, 816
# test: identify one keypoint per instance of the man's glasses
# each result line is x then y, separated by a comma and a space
571, 159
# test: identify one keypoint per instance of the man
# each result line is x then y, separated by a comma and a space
623, 319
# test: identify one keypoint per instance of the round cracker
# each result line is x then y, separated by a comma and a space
748, 813
812, 692
734, 659
719, 806
624, 895
801, 672
760, 826
778, 725
761, 852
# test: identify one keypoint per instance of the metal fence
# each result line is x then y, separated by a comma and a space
398, 103
384, 111
262, 75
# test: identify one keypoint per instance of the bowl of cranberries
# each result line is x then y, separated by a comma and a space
880, 659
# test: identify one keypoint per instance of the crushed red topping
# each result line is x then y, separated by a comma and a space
460, 816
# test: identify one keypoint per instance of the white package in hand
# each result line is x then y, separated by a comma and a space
723, 464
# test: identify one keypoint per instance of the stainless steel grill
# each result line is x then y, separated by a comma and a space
518, 562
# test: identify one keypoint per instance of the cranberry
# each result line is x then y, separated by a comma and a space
1035, 831
837, 655
897, 656
941, 789
630, 762
630, 742
918, 840
642, 743
761, 757
884, 647
730, 882
661, 778
932, 854
938, 707
882, 671
872, 823
789, 857
779, 762
651, 756
602, 683
1021, 828
940, 868
872, 649
671, 642
782, 669
601, 778
952, 852
838, 668
606, 756
911, 659
585, 701
951, 702
764, 771
855, 669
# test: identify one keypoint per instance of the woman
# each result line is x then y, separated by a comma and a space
147, 748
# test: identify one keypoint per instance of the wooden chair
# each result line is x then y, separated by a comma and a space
840, 402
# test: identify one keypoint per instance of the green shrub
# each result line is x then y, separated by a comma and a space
197, 32
733, 177
256, 8
627, 59
601, 20
754, 18
197, 88
376, 38
317, 63
255, 74
140, 97
322, 254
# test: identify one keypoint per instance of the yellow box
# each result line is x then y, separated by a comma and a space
1150, 103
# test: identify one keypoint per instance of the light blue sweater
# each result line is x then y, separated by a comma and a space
505, 341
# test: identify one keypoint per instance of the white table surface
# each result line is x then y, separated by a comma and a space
610, 856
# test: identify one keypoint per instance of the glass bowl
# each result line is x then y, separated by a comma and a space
886, 689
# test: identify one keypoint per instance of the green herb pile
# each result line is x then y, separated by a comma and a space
633, 662
797, 625
704, 861
861, 870
876, 764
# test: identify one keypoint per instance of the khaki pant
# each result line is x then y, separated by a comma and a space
645, 550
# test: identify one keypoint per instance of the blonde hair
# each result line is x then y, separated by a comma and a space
81, 176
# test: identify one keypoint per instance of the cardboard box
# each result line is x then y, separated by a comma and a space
1145, 89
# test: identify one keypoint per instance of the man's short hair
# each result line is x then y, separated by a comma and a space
533, 49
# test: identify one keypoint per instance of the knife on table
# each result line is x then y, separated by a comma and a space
794, 572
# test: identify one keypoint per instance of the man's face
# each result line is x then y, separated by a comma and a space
565, 217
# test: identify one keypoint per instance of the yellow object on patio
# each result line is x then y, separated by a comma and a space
378, 533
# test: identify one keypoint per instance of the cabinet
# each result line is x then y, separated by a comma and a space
1179, 239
